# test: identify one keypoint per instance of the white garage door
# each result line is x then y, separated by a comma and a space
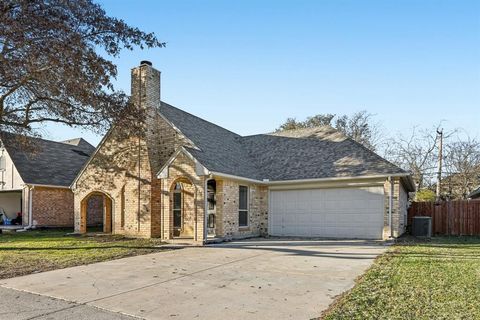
336, 213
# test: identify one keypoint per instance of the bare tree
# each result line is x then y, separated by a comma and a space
359, 126
50, 68
462, 165
415, 153
290, 124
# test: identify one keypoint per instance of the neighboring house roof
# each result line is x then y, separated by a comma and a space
47, 162
315, 153
475, 194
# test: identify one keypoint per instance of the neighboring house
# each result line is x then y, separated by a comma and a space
475, 194
189, 178
35, 178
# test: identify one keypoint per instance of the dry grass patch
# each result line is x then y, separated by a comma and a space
37, 251
437, 279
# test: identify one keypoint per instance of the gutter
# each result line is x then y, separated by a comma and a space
280, 182
234, 177
335, 179
48, 186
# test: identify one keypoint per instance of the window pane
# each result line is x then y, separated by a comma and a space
177, 200
211, 220
243, 218
243, 198
211, 200
177, 218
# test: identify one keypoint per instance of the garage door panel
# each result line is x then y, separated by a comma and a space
340, 213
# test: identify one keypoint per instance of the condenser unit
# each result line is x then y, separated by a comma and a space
422, 226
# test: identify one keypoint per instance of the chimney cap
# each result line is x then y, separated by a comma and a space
145, 62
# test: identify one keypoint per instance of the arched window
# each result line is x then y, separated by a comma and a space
178, 187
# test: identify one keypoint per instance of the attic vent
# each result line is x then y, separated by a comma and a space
80, 152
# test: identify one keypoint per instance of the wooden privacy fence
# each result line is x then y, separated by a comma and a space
459, 217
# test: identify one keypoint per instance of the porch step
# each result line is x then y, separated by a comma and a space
214, 240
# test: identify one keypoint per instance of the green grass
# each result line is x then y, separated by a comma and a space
37, 251
437, 279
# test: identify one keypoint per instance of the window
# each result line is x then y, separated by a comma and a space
243, 206
177, 206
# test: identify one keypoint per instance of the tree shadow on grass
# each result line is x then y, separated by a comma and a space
159, 248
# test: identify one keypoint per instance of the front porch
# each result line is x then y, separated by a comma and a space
188, 216
189, 198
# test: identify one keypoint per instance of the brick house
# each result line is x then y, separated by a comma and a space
187, 178
35, 178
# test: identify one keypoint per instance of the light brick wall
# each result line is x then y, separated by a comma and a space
403, 209
125, 166
119, 164
227, 210
52, 207
398, 210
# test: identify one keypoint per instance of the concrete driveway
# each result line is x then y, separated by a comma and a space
255, 279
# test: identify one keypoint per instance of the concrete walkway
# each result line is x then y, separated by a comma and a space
275, 279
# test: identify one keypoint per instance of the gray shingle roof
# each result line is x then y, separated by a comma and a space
48, 162
220, 150
315, 153
290, 155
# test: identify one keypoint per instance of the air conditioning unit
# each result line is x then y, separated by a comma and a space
422, 227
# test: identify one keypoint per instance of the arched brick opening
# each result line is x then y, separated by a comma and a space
96, 207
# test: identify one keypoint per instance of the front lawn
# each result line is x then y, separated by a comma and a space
437, 279
36, 251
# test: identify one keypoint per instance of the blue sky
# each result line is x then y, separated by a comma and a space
248, 65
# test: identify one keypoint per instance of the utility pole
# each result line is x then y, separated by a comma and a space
440, 158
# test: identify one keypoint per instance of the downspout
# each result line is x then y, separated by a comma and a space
390, 206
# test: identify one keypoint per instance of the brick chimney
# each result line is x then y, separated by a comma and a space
145, 87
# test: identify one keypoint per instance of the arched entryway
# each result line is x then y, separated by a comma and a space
96, 213
183, 211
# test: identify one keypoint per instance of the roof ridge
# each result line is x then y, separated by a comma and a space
206, 121
43, 139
